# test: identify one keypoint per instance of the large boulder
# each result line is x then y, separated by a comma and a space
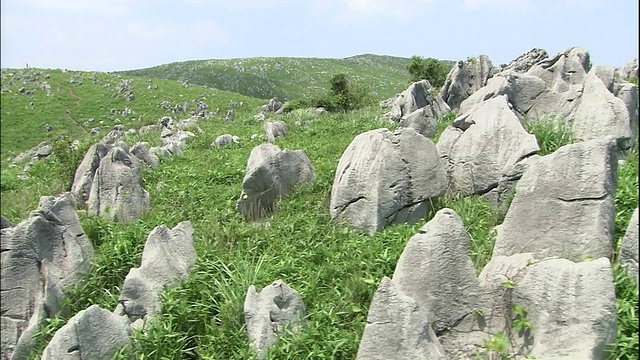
629, 247
384, 178
117, 192
601, 114
275, 129
93, 333
42, 256
271, 173
270, 313
563, 205
481, 145
465, 78
141, 151
629, 70
522, 91
435, 307
167, 257
397, 328
85, 172
524, 62
418, 96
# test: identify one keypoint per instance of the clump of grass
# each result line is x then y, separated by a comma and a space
551, 132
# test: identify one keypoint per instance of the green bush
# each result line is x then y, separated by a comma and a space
345, 95
430, 69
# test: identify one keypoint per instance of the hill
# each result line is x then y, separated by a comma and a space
287, 77
76, 102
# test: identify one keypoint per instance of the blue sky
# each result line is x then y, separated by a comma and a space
108, 35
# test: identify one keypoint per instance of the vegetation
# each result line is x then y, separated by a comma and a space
344, 95
430, 69
335, 270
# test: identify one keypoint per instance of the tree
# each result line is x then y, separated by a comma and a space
430, 69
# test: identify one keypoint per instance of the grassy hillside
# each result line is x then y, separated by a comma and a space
335, 270
79, 96
287, 78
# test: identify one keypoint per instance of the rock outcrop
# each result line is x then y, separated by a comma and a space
465, 78
384, 178
271, 173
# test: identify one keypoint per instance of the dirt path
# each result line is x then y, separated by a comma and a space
67, 113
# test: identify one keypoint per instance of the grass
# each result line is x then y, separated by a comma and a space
335, 270
287, 77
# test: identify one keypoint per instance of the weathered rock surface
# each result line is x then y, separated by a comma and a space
270, 312
563, 205
41, 257
482, 144
465, 78
436, 308
224, 140
629, 70
168, 256
629, 247
419, 95
141, 151
93, 333
5, 222
524, 62
384, 178
271, 173
601, 114
275, 129
396, 328
116, 192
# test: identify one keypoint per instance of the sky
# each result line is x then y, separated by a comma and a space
111, 35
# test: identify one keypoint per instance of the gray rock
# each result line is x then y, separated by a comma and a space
224, 140
259, 117
572, 193
419, 95
397, 328
601, 114
482, 144
168, 256
629, 70
141, 151
85, 172
270, 312
524, 62
422, 121
572, 306
606, 74
117, 192
275, 129
436, 271
274, 104
5, 222
523, 92
149, 128
271, 173
629, 247
564, 70
41, 258
465, 78
93, 333
43, 150
112, 137
384, 178
628, 93
161, 152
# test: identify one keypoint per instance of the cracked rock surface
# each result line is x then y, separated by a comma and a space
384, 178
41, 257
270, 312
564, 204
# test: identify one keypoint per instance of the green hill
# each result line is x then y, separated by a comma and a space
288, 77
76, 97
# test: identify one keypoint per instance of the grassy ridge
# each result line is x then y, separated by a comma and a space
288, 78
71, 104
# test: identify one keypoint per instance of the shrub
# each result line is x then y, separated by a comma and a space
430, 69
